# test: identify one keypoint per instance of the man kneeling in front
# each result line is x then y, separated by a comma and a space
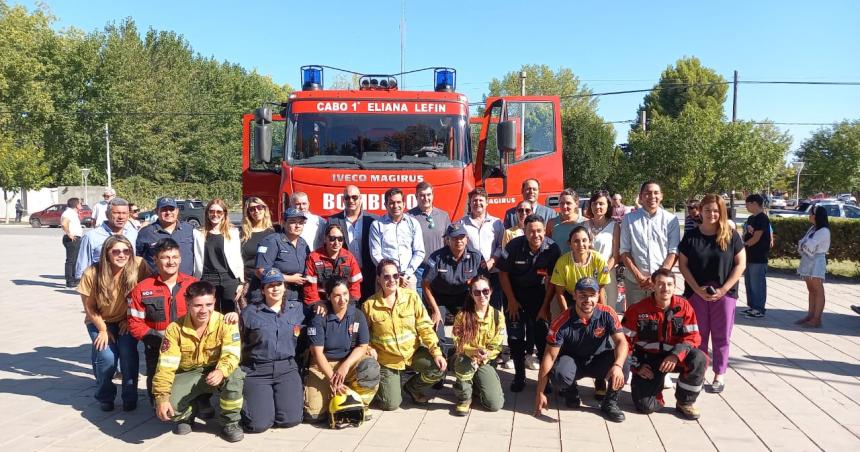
199, 355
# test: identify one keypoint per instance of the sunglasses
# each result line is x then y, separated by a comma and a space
218, 212
526, 211
168, 209
335, 238
430, 222
393, 277
478, 292
256, 208
351, 197
120, 252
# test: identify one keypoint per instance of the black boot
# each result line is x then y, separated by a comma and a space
519, 382
610, 407
571, 396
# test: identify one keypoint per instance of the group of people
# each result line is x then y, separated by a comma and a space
313, 319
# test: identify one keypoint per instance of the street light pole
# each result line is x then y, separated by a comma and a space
85, 174
799, 167
107, 151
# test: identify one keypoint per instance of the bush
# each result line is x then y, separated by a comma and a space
145, 192
844, 238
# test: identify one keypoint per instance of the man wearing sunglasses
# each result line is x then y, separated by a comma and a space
355, 224
434, 222
330, 261
169, 226
531, 191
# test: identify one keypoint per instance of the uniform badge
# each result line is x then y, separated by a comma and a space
235, 337
312, 331
598, 332
297, 329
262, 249
146, 293
165, 345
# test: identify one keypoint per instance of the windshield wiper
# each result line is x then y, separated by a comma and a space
329, 160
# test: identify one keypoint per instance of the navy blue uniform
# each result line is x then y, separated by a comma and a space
339, 337
449, 282
586, 349
273, 383
527, 271
276, 251
183, 234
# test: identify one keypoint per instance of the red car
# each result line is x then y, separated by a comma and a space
51, 216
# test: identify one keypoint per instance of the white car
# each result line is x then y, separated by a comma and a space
778, 202
847, 198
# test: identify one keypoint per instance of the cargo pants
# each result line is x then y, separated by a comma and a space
318, 391
389, 395
190, 384
483, 379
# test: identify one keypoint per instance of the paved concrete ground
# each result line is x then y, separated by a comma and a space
787, 388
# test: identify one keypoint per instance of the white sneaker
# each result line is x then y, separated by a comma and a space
532, 362
507, 363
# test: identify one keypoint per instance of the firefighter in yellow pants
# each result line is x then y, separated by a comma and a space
199, 355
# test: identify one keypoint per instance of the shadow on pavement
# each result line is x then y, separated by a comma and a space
816, 365
63, 376
832, 323
30, 282
60, 277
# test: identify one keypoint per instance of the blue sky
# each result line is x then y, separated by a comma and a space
611, 46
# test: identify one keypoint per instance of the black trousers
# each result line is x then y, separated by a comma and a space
527, 332
273, 394
568, 370
225, 291
151, 350
72, 247
648, 394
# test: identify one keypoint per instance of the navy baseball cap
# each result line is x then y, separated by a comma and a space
587, 283
292, 212
272, 275
455, 230
165, 202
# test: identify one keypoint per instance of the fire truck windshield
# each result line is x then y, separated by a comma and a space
332, 140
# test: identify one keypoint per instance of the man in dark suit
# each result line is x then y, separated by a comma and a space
355, 224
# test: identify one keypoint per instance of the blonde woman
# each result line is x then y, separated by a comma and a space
221, 254
712, 259
104, 288
256, 226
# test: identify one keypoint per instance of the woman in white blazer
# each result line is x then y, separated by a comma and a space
219, 256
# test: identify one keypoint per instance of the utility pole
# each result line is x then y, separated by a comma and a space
643, 120
107, 146
799, 167
402, 43
735, 99
522, 83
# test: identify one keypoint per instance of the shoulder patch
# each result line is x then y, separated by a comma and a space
312, 331
262, 249
235, 337
146, 293
165, 345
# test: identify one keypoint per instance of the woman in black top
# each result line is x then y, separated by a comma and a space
222, 258
712, 260
256, 225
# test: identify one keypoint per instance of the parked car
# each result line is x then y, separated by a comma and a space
190, 210
847, 198
777, 202
51, 216
833, 207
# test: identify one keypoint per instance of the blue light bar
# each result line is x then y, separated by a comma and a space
312, 77
446, 79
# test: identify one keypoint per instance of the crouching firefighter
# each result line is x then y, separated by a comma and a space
199, 355
340, 355
664, 337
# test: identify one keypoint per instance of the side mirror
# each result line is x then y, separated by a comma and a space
263, 134
506, 134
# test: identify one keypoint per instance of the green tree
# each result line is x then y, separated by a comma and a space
21, 167
543, 81
687, 82
832, 159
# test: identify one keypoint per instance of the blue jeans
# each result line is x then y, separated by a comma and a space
122, 349
419, 279
755, 280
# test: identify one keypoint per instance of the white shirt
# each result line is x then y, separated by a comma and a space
75, 229
402, 241
485, 237
314, 226
649, 239
815, 242
602, 241
99, 213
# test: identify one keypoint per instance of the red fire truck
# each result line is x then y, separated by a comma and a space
378, 137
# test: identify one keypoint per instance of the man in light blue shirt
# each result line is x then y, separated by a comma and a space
116, 224
649, 241
398, 236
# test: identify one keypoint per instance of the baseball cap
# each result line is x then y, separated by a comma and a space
455, 230
587, 283
165, 202
272, 275
292, 212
